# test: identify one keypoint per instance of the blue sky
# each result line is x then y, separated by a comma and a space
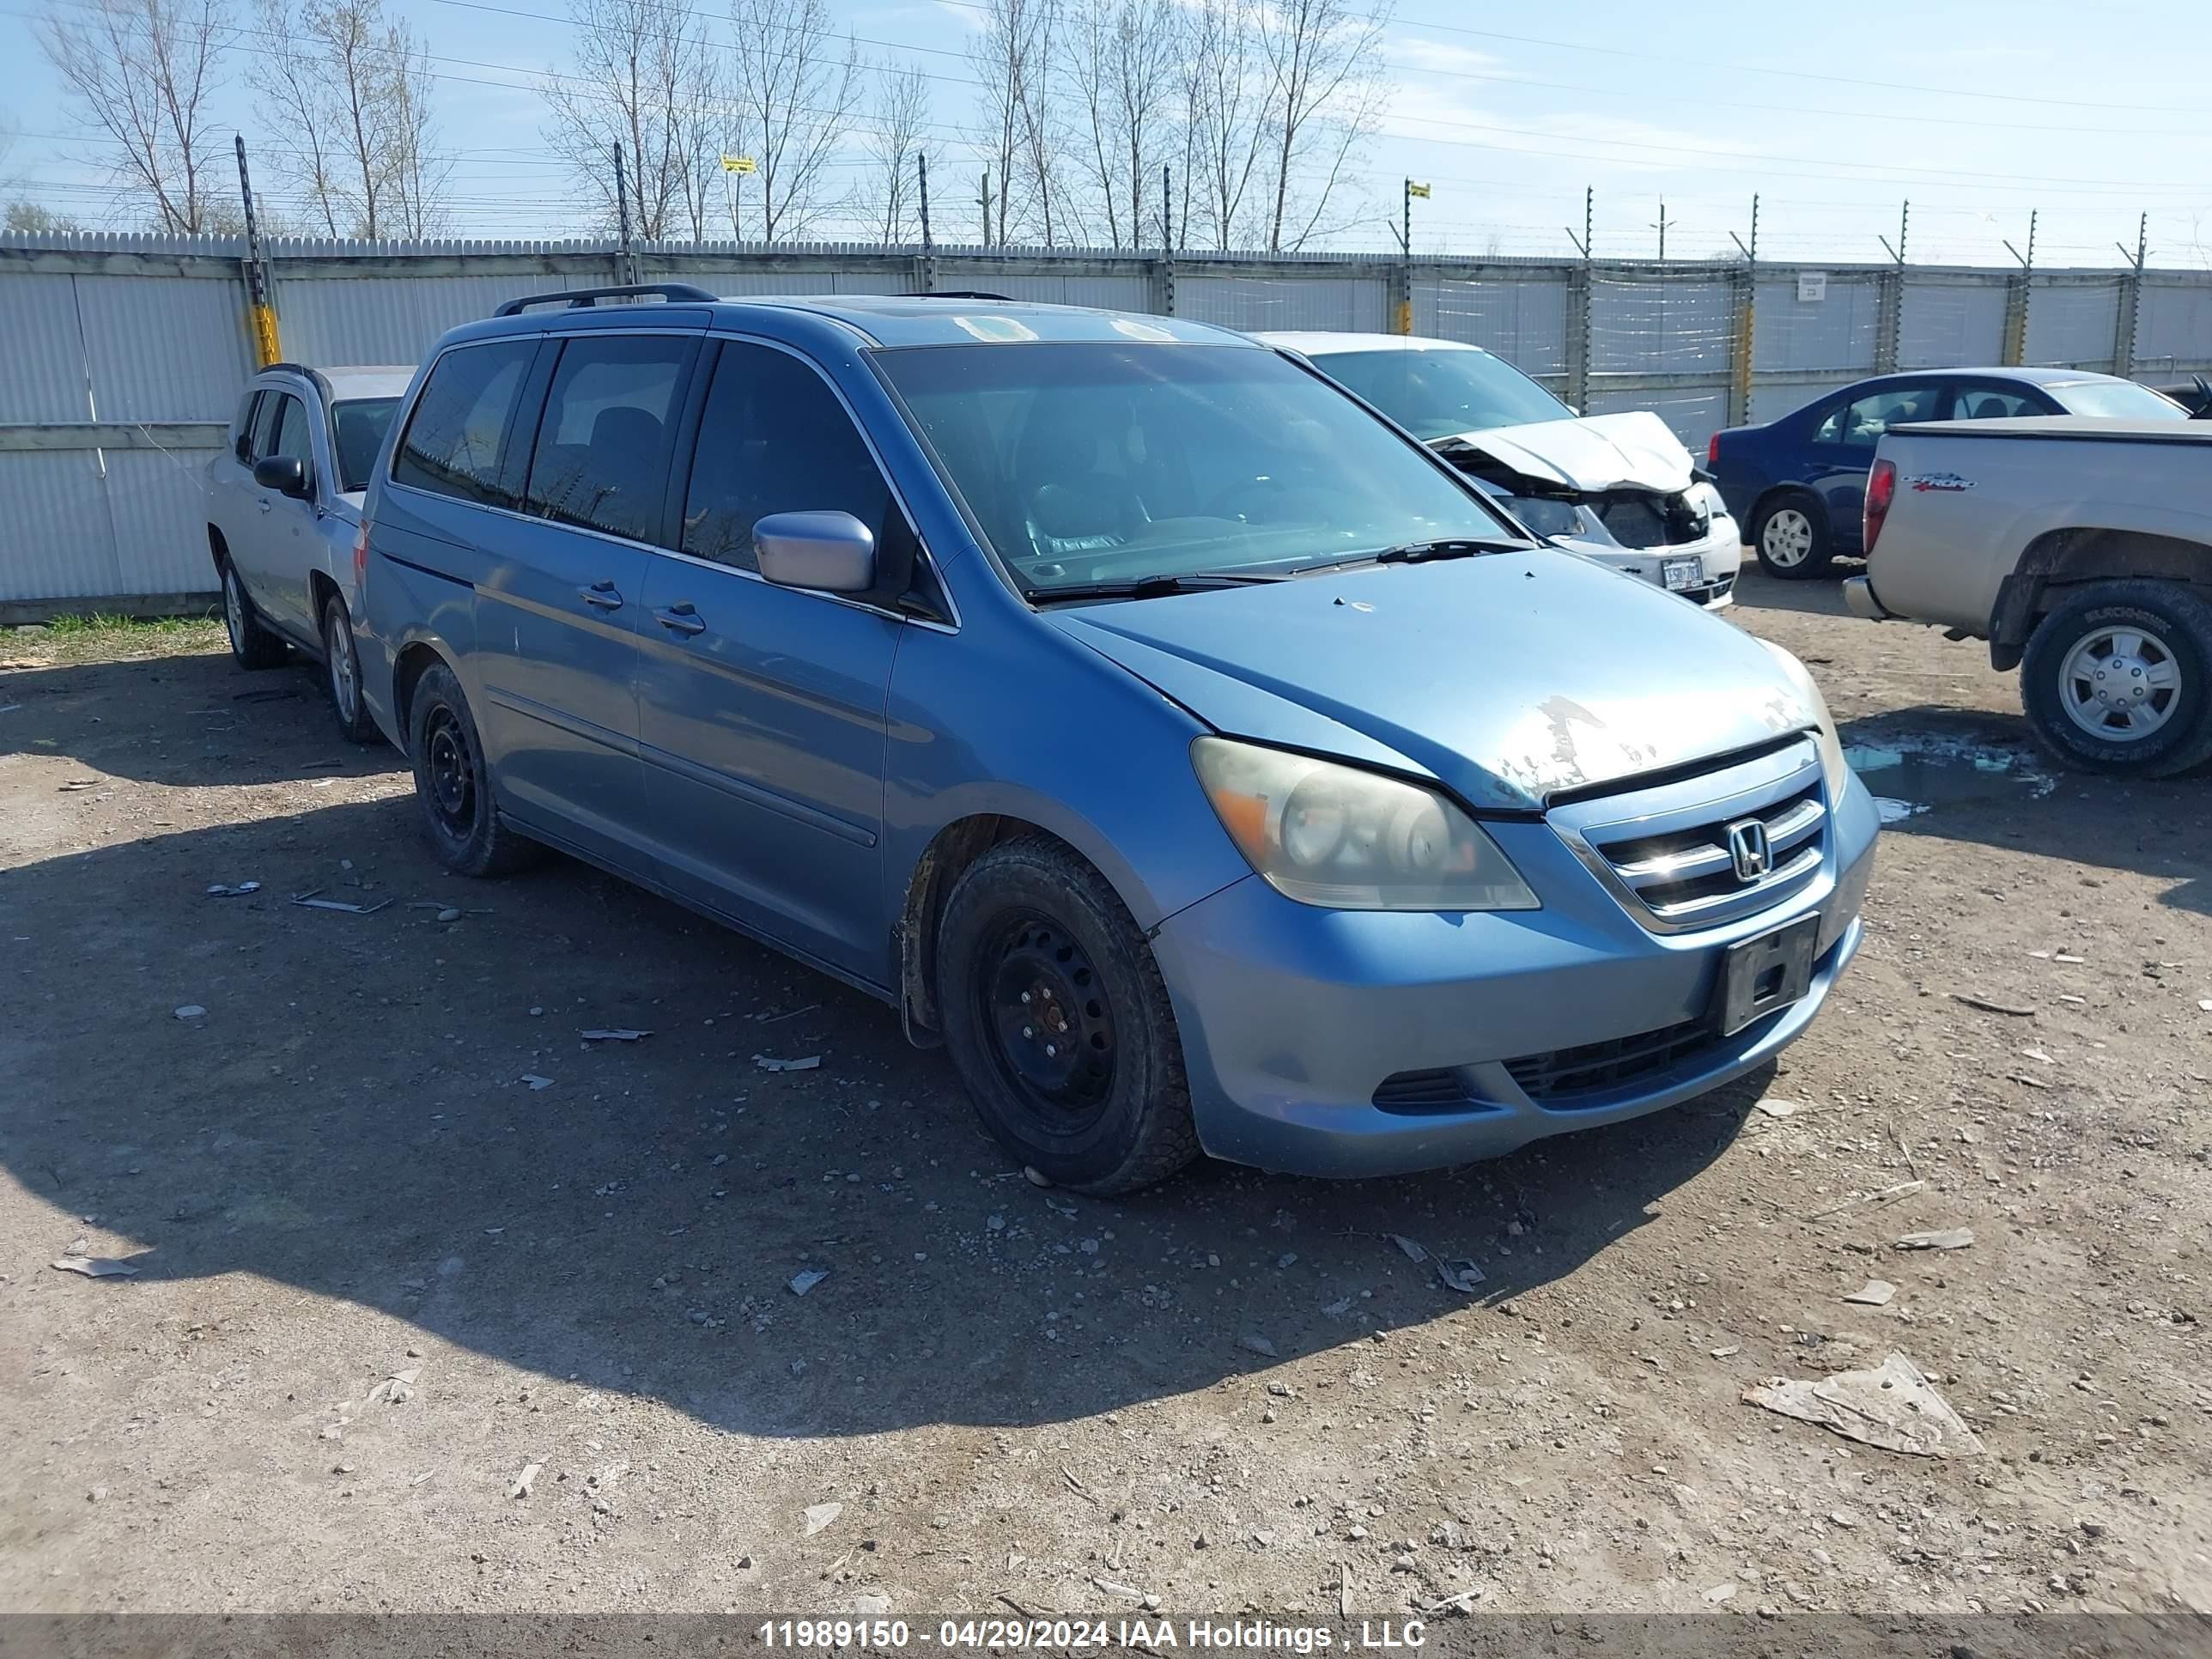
1977, 110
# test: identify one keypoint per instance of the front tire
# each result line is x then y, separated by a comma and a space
452, 783
342, 673
1059, 1023
1791, 535
2119, 680
250, 644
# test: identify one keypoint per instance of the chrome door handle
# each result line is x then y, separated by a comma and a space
601, 596
680, 619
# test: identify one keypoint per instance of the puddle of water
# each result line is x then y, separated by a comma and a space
1917, 772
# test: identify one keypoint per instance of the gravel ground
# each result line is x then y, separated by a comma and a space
404, 1237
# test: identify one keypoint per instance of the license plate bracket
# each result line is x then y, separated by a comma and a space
1680, 575
1758, 975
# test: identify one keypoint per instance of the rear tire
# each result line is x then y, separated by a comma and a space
452, 783
2118, 680
1059, 1023
342, 673
250, 644
1791, 535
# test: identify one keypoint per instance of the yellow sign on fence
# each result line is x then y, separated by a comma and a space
739, 164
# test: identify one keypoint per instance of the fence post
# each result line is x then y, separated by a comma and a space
1889, 319
2130, 305
1164, 274
1578, 335
2016, 299
925, 271
1740, 353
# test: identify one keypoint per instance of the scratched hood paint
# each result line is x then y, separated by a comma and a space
1634, 450
1507, 677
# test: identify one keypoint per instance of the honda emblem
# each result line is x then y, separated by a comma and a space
1748, 846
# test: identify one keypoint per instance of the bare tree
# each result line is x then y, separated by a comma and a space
1016, 135
1225, 101
639, 64
1324, 95
140, 74
706, 129
796, 87
352, 89
895, 141
1125, 72
421, 172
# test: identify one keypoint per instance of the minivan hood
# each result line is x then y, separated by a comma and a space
1635, 451
1508, 676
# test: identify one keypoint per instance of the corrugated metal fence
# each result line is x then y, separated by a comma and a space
124, 355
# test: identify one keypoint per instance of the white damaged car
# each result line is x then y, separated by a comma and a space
1617, 488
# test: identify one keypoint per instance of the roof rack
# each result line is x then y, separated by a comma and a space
579, 297
958, 294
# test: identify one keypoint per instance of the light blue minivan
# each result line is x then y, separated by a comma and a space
1187, 748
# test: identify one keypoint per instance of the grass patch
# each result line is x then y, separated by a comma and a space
101, 637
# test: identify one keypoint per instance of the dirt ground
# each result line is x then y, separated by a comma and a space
401, 1236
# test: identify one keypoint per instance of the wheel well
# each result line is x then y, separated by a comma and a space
218, 549
1772, 495
415, 661
948, 855
2059, 560
2068, 556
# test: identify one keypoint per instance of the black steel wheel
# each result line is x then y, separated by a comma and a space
1056, 1017
452, 784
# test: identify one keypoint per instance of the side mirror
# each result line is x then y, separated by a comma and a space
828, 552
286, 474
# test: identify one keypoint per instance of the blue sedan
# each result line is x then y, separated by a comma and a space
1798, 485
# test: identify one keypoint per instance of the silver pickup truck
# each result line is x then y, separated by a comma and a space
2081, 549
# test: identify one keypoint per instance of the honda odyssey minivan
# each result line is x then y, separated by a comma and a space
1198, 758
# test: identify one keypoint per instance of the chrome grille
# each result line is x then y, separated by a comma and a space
1681, 854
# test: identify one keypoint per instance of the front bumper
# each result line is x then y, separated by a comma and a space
1720, 556
1292, 1018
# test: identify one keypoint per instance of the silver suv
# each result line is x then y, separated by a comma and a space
283, 510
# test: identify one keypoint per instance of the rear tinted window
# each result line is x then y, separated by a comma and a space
455, 437
357, 429
602, 456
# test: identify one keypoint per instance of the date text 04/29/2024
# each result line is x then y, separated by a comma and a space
1063, 1635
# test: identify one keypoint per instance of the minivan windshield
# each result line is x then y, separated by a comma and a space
1440, 394
357, 429
1087, 464
2119, 399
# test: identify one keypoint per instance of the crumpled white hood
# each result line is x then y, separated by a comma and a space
1635, 451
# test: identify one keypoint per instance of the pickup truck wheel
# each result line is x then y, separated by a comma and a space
252, 645
1791, 535
452, 783
2118, 679
1058, 1022
342, 673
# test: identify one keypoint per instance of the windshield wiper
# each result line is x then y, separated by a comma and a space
1444, 547
1147, 587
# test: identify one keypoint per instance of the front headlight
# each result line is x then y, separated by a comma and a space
1347, 840
1835, 771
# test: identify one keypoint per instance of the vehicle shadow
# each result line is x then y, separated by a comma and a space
223, 725
400, 1111
1824, 597
1978, 776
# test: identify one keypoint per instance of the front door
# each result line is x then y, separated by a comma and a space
760, 708
284, 530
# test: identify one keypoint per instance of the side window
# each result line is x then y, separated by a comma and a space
264, 423
1988, 402
773, 438
601, 460
290, 439
241, 432
455, 437
1860, 425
